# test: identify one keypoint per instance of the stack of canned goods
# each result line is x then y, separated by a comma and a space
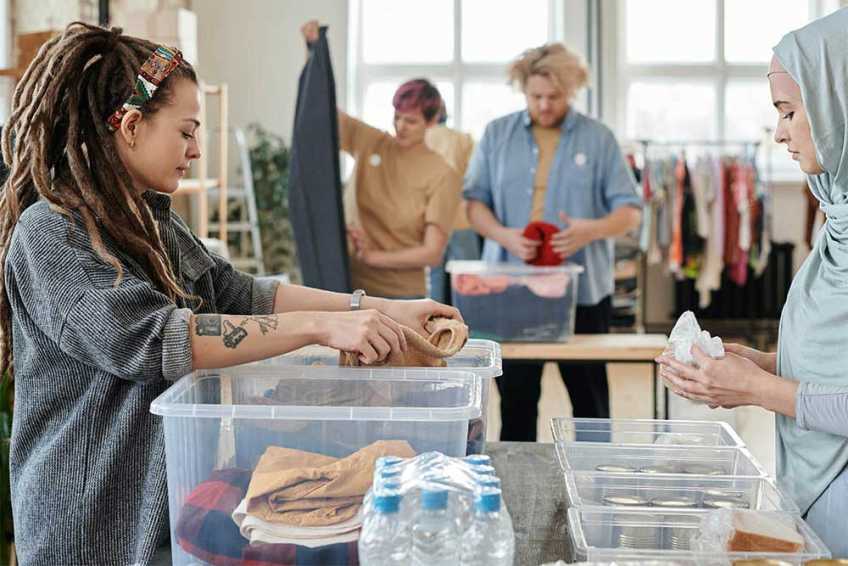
651, 496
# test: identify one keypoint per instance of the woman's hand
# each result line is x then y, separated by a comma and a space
417, 312
310, 31
363, 247
371, 334
729, 382
767, 361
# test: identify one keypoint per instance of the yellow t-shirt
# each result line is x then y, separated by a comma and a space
456, 148
547, 140
394, 194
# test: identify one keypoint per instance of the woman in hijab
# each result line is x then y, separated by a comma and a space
806, 381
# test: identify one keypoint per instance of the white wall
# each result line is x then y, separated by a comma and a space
256, 48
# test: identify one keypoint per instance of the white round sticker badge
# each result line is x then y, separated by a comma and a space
375, 159
580, 159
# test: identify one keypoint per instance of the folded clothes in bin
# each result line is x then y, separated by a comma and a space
519, 314
306, 489
206, 530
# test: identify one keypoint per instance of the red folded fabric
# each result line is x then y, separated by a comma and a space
543, 232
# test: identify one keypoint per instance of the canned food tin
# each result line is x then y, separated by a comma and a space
702, 470
614, 468
717, 503
658, 469
625, 501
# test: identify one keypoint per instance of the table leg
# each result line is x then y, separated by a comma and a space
654, 390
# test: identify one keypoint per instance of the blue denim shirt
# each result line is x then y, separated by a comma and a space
589, 178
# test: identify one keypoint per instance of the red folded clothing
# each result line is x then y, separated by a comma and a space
543, 232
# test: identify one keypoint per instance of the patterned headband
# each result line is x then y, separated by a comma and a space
156, 69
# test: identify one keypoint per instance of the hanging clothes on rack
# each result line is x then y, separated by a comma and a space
706, 212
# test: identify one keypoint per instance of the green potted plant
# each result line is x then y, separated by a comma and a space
269, 160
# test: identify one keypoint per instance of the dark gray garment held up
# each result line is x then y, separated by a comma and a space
315, 194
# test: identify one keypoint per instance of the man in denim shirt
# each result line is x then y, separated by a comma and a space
551, 163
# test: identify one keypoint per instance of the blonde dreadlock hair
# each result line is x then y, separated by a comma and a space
58, 146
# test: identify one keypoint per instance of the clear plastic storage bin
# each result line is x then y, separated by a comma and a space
644, 431
226, 419
657, 460
602, 535
593, 489
481, 357
516, 303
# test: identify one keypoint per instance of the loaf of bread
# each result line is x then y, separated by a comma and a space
758, 532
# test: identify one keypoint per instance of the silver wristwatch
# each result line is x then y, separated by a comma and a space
356, 299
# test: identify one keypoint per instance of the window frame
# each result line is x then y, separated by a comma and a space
573, 30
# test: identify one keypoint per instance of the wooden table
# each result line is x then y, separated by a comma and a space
599, 348
534, 493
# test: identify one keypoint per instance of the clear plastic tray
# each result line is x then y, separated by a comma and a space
509, 302
592, 489
657, 460
482, 357
606, 535
645, 431
225, 419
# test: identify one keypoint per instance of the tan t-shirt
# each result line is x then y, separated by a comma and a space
547, 140
456, 148
393, 196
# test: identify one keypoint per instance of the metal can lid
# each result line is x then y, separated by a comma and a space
674, 502
614, 468
726, 504
658, 469
702, 470
625, 501
725, 493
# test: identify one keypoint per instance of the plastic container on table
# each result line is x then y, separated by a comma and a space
516, 303
658, 460
645, 431
593, 489
481, 357
625, 534
226, 419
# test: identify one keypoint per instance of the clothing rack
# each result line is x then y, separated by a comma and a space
750, 149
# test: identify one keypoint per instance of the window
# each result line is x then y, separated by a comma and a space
463, 46
696, 70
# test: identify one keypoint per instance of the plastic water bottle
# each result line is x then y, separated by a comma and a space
483, 470
490, 541
435, 538
385, 537
479, 459
384, 461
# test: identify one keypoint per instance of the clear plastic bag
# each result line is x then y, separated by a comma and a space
687, 333
741, 530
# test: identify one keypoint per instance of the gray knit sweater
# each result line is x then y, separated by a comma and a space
88, 459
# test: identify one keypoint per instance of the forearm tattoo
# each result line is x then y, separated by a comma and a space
233, 335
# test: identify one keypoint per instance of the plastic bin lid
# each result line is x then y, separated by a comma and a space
186, 397
503, 268
482, 357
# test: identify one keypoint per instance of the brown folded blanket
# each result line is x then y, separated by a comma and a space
445, 337
306, 489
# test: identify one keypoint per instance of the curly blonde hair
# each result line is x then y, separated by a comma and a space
554, 61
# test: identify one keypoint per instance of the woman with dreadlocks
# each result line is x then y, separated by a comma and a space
107, 296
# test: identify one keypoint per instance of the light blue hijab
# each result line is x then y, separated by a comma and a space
813, 338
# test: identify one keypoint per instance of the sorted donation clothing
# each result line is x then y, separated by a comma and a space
445, 337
